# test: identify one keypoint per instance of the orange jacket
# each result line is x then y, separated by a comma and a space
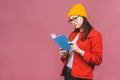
83, 67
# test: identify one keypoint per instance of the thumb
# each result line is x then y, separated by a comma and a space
71, 43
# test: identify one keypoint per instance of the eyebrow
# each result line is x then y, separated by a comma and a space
74, 17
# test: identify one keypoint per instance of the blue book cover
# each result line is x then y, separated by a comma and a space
62, 41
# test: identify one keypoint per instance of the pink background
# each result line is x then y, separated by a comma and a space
27, 51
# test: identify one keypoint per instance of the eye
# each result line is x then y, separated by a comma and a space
70, 20
75, 17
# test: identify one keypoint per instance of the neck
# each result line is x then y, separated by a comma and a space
78, 30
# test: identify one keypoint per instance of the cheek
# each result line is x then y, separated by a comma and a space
80, 23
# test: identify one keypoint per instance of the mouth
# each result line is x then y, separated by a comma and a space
75, 24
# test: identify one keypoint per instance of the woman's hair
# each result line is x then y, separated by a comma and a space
86, 26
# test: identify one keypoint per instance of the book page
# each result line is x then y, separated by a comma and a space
53, 35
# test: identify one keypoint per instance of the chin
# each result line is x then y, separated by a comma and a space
77, 27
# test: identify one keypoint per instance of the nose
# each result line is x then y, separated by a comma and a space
74, 23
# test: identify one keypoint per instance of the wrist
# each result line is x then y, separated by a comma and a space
64, 56
81, 52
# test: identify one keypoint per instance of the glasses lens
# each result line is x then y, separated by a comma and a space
70, 20
73, 19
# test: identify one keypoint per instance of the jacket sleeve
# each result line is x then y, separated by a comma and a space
95, 55
64, 60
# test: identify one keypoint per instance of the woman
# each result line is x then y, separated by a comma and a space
86, 47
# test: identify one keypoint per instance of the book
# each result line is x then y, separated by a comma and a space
62, 41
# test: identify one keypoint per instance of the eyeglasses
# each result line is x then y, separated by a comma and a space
73, 19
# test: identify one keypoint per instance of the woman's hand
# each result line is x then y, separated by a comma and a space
63, 53
75, 48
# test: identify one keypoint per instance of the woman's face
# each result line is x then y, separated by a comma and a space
76, 21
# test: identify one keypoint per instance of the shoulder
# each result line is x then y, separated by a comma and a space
94, 33
73, 33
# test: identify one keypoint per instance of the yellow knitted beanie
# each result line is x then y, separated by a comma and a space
77, 9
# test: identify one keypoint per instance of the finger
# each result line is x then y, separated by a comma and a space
60, 48
71, 43
72, 47
63, 51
